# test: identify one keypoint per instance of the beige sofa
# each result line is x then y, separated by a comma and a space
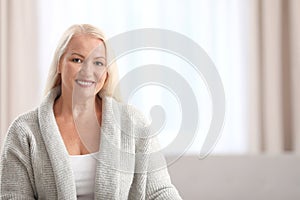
252, 177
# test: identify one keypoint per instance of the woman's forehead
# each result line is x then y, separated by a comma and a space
85, 44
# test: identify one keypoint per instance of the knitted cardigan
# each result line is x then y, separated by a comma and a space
35, 163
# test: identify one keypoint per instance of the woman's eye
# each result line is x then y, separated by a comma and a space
98, 63
76, 60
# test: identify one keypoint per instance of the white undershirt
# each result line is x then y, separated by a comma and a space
84, 170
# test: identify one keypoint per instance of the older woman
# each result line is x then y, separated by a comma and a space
81, 142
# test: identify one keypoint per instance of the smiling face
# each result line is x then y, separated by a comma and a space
83, 66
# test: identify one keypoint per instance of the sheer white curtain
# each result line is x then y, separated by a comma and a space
28, 43
217, 26
19, 72
253, 43
274, 67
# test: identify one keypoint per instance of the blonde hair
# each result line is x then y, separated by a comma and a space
110, 87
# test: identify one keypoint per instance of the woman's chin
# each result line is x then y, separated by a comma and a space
83, 93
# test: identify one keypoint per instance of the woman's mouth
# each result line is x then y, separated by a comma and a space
85, 83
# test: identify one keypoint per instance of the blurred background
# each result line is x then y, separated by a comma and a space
255, 47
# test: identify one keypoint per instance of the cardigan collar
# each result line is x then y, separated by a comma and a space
108, 157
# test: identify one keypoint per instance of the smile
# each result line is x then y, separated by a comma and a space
84, 83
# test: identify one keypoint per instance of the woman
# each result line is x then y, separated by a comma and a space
81, 142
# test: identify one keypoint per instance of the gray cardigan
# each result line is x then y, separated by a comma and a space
35, 163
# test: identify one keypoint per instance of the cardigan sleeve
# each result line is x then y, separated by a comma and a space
152, 164
151, 178
159, 185
16, 174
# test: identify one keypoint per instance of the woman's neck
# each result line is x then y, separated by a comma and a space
69, 109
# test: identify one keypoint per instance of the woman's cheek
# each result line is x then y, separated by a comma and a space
101, 81
101, 76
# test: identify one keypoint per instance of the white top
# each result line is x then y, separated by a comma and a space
84, 170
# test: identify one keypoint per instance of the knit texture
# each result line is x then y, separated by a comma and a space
35, 163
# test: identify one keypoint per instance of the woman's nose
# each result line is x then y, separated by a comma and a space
87, 67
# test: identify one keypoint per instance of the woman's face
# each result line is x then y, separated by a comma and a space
83, 66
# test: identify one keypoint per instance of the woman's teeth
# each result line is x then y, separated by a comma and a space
84, 83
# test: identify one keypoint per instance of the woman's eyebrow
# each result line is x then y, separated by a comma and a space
99, 57
74, 53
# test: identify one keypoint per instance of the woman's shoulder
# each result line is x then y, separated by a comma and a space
28, 117
24, 123
128, 112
